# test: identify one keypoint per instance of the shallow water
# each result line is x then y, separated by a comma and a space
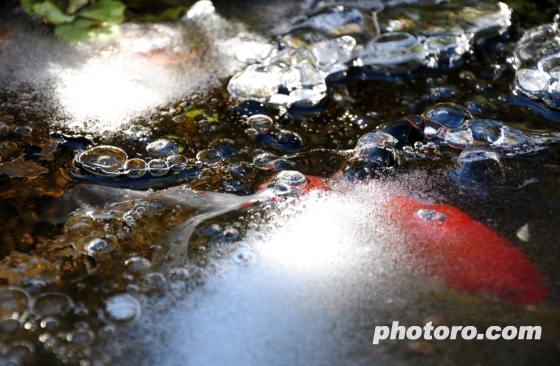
284, 276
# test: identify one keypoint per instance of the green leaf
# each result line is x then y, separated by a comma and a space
75, 5
193, 113
83, 30
213, 118
109, 11
27, 5
168, 14
53, 14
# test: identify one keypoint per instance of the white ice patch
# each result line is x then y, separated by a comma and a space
100, 86
303, 294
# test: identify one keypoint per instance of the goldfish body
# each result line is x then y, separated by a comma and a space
444, 242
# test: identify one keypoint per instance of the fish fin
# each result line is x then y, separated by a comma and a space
86, 196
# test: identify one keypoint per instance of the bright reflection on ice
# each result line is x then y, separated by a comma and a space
302, 249
290, 295
200, 8
101, 90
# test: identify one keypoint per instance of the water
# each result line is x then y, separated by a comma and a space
215, 189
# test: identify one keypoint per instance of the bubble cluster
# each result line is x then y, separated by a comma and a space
323, 46
113, 162
538, 60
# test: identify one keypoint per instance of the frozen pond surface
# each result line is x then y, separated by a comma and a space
153, 208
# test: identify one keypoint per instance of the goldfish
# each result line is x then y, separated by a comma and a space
439, 240
444, 242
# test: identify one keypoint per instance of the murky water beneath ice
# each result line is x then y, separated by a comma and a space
302, 281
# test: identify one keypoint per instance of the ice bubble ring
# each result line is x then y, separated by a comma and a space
113, 162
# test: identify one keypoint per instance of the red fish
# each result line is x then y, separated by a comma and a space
444, 242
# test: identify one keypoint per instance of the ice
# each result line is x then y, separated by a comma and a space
532, 82
256, 82
395, 52
538, 43
479, 168
101, 86
318, 284
460, 138
336, 51
306, 97
339, 21
551, 66
445, 45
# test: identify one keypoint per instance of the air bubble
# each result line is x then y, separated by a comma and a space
430, 215
260, 122
135, 168
9, 326
136, 264
102, 160
449, 115
97, 246
158, 167
177, 162
122, 308
51, 304
12, 300
162, 148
